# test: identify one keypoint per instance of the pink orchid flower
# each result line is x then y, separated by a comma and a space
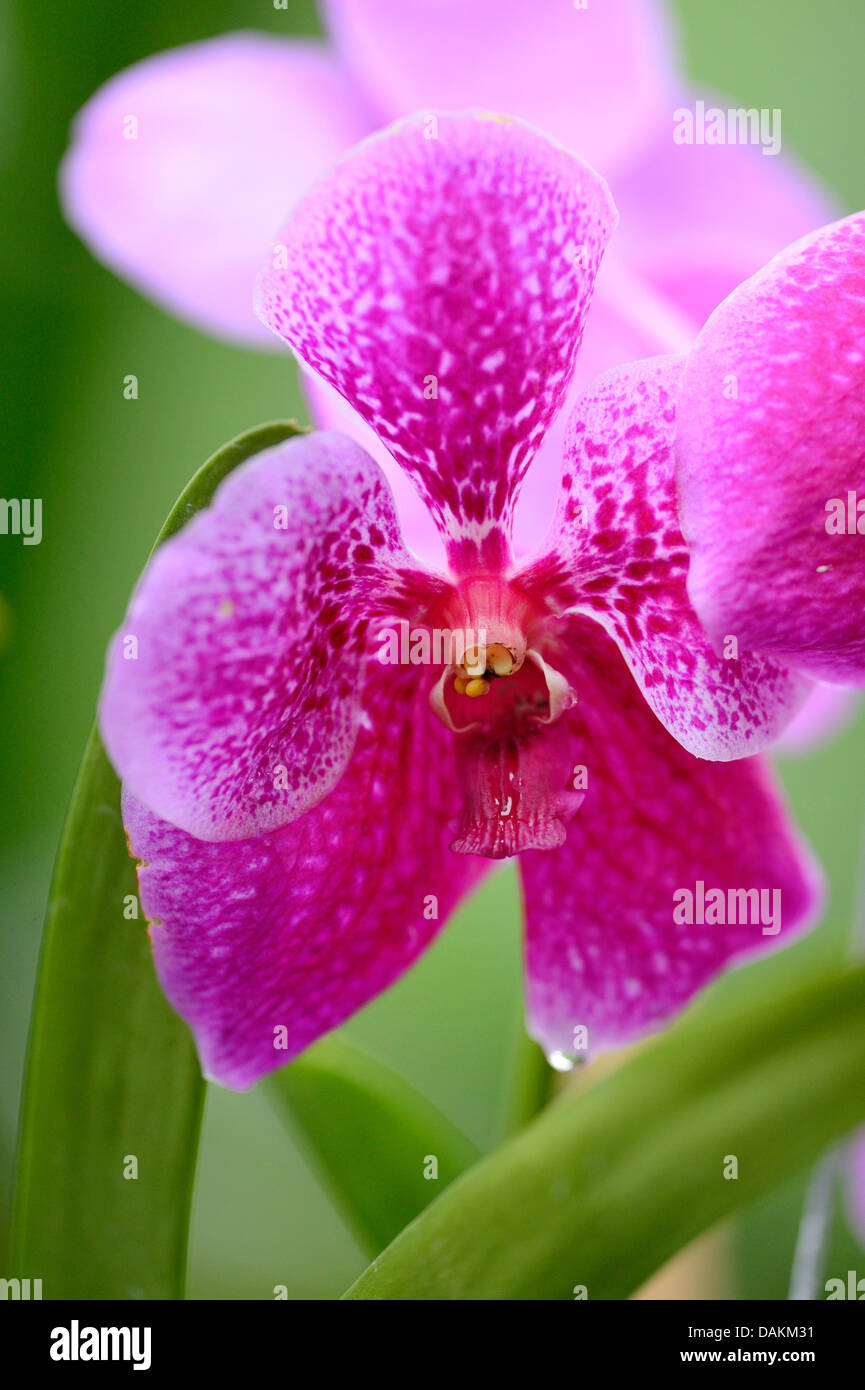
307, 815
183, 167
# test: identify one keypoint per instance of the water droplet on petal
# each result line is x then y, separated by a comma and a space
561, 1061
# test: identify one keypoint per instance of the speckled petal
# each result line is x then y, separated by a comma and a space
439, 279
628, 321
771, 458
617, 554
263, 945
329, 410
605, 951
234, 687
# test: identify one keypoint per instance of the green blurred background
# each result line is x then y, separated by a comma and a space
109, 469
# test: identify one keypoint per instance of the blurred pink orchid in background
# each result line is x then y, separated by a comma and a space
228, 134
854, 1162
308, 817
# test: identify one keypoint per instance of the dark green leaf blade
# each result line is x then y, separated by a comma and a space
604, 1187
112, 1077
112, 1074
372, 1135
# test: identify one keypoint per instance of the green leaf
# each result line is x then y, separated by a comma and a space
112, 1074
605, 1186
371, 1134
531, 1081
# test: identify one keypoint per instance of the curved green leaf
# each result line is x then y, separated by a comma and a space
112, 1074
372, 1135
530, 1081
604, 1187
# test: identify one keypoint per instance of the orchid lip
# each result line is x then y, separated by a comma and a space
512, 770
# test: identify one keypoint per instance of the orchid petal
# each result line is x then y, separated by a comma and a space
439, 278
234, 687
592, 77
182, 167
331, 411
263, 945
604, 949
771, 458
617, 554
628, 321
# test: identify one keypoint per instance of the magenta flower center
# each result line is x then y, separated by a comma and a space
501, 701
